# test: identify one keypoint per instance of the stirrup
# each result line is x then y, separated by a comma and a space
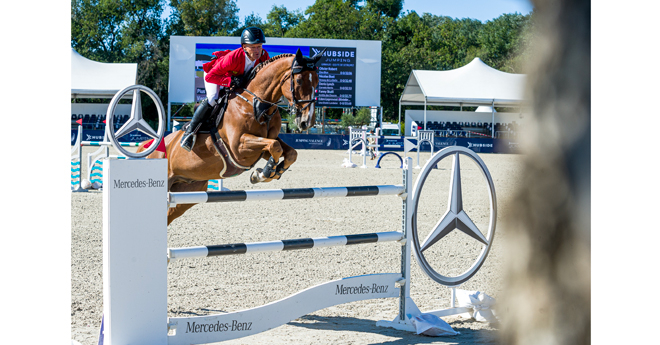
186, 141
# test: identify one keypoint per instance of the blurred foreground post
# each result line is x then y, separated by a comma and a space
547, 298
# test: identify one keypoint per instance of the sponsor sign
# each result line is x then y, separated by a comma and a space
340, 142
98, 135
232, 326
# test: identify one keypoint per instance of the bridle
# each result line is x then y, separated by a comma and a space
298, 69
262, 107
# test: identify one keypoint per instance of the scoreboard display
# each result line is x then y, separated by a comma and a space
349, 70
336, 71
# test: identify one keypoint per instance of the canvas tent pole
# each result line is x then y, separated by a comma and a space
424, 112
492, 111
399, 117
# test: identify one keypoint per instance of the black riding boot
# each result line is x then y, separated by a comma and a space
190, 136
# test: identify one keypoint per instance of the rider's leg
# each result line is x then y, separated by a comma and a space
203, 110
190, 136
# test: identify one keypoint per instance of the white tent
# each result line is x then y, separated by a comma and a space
475, 84
91, 79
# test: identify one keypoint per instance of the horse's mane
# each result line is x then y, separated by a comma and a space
265, 63
262, 65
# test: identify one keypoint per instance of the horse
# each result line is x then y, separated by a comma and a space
248, 130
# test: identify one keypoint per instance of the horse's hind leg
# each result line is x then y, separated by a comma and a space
175, 212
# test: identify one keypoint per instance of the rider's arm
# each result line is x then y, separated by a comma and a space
225, 64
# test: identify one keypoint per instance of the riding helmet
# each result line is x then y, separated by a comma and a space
253, 35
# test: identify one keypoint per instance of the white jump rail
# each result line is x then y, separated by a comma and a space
360, 137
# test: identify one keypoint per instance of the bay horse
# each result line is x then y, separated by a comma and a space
248, 130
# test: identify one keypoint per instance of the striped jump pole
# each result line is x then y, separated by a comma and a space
282, 194
76, 160
282, 245
95, 173
217, 185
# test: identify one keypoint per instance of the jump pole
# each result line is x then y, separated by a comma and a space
360, 135
76, 164
422, 137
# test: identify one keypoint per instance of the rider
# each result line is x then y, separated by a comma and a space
219, 72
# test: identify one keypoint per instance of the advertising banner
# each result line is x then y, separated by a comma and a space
97, 135
340, 142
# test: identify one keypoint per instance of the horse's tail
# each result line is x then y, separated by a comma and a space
141, 147
160, 152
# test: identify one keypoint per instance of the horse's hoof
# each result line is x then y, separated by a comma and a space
254, 177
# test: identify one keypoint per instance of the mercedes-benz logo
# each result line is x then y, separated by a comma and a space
455, 217
136, 121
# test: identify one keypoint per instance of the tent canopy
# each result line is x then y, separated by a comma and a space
91, 79
474, 84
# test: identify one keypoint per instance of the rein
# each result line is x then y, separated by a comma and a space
259, 105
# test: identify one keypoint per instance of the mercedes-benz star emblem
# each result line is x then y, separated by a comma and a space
455, 218
136, 121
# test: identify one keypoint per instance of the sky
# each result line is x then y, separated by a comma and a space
483, 10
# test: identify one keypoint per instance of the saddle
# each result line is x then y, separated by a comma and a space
210, 126
212, 121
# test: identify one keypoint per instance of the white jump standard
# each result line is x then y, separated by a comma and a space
135, 244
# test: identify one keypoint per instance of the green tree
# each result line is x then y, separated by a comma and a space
116, 31
338, 19
280, 21
499, 39
251, 19
389, 8
361, 117
206, 17
406, 46
290, 117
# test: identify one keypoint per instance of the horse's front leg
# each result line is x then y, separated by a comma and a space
271, 147
290, 156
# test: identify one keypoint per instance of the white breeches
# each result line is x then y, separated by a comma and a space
212, 91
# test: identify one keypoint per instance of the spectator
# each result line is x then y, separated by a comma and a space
371, 140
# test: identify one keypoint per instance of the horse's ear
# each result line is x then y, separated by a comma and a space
299, 57
318, 56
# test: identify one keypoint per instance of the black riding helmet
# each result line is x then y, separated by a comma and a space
253, 35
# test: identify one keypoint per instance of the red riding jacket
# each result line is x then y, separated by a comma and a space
228, 64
